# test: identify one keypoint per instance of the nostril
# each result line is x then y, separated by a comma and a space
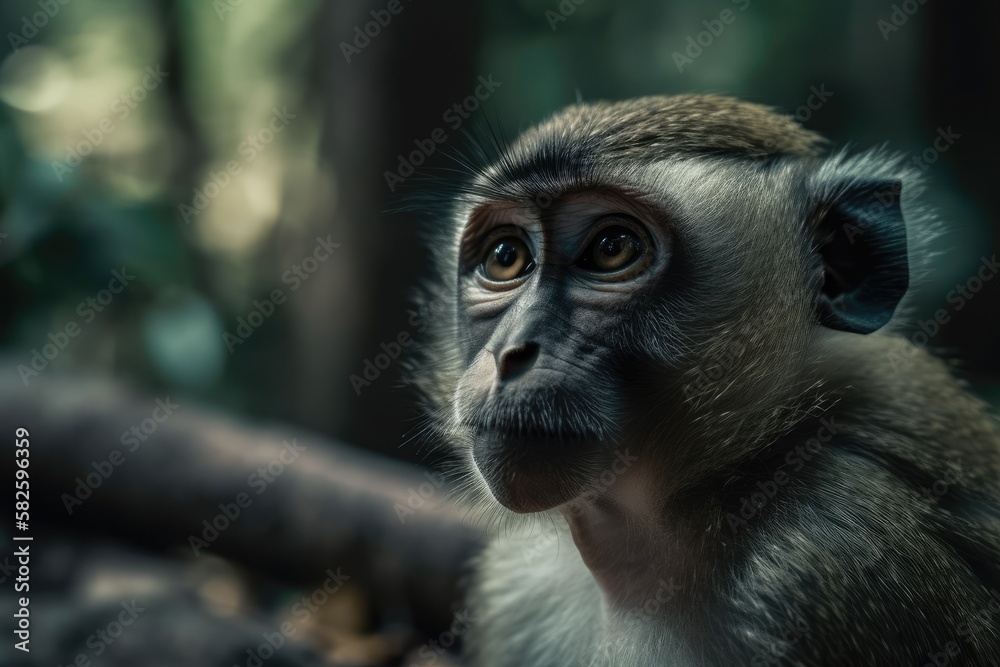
516, 361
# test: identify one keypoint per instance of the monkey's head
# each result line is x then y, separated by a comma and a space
651, 280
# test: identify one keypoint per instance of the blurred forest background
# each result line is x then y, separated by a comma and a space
225, 67
204, 146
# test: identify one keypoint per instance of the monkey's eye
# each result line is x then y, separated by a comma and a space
613, 249
507, 259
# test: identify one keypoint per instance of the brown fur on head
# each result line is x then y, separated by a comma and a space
651, 128
640, 131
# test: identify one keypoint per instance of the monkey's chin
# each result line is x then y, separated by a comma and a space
532, 473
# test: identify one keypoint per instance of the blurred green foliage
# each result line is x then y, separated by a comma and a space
81, 71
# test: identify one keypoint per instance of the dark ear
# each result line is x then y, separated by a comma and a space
861, 241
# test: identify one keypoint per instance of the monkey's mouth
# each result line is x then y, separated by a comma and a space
533, 469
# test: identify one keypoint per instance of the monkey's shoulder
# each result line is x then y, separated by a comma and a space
863, 560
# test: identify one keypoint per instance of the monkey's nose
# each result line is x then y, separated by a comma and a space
516, 361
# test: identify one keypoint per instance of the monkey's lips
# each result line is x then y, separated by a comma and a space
535, 471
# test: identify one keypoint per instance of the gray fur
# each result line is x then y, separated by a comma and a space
850, 563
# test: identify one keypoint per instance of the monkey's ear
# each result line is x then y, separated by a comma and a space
861, 241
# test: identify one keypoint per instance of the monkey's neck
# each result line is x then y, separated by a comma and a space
641, 563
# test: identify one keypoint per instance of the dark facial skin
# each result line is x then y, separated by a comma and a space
542, 293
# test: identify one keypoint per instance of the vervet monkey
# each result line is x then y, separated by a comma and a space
671, 364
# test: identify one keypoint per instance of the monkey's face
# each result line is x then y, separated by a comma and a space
542, 293
668, 299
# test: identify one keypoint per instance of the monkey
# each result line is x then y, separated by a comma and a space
671, 367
